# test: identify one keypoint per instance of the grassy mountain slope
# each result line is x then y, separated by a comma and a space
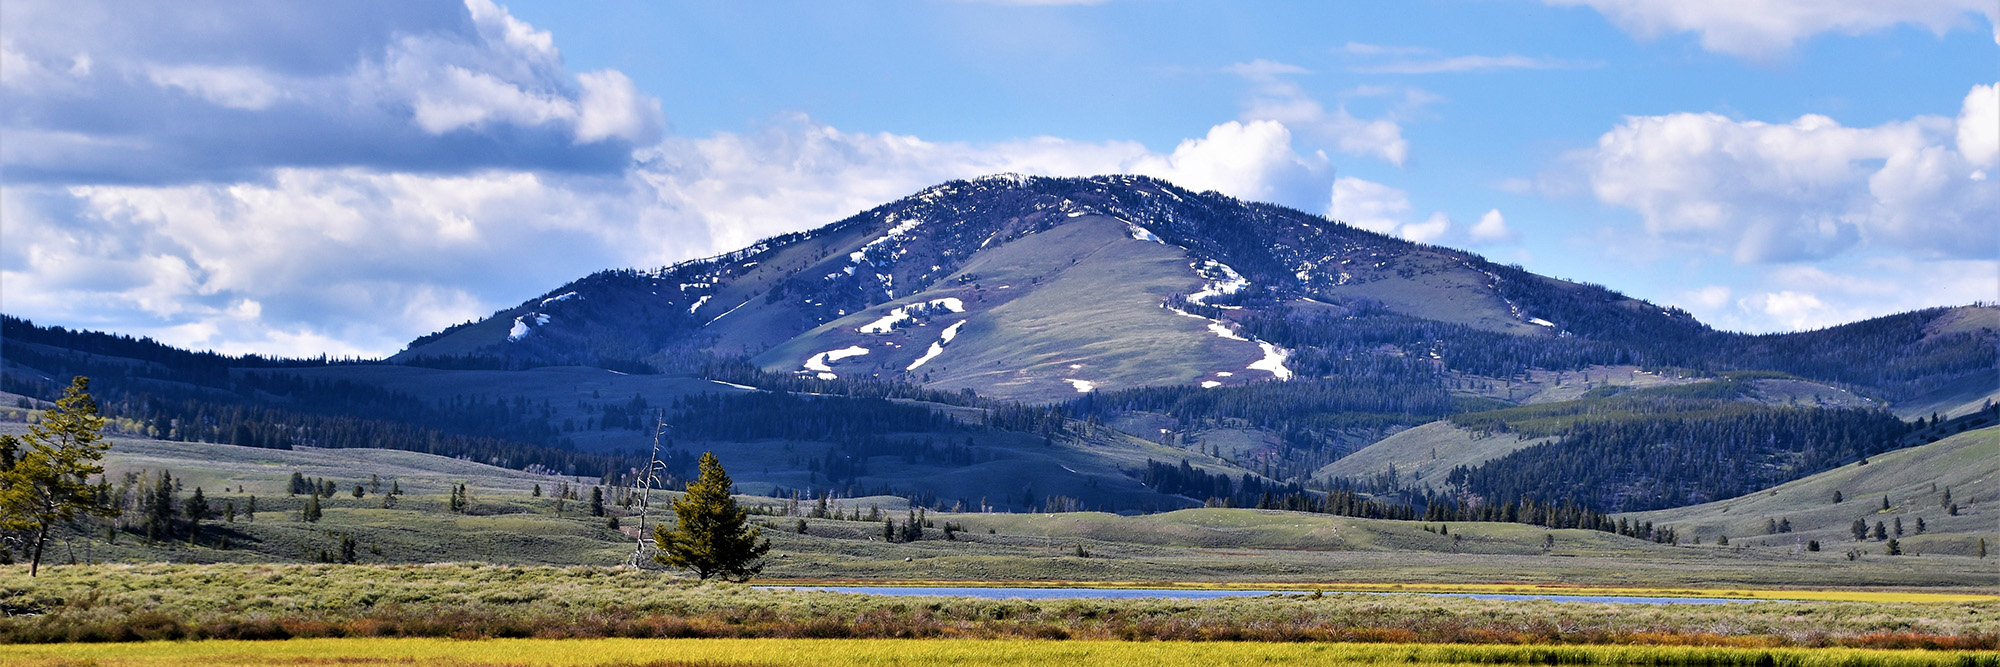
1426, 454
1968, 464
1077, 302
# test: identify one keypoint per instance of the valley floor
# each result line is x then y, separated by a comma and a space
127, 603
839, 652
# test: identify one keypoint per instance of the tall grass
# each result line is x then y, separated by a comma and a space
469, 601
785, 652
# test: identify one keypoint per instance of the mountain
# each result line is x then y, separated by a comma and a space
1017, 343
1037, 289
1044, 284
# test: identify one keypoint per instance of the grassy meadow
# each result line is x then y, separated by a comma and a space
534, 580
125, 603
883, 653
507, 524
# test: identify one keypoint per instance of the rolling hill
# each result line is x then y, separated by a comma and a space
507, 522
1922, 482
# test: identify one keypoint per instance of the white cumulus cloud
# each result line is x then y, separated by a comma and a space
1492, 228
1277, 98
1384, 210
1761, 29
1807, 189
203, 90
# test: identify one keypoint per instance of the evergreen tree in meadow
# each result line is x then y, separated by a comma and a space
47, 483
709, 535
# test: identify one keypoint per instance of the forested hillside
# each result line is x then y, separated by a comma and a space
1667, 447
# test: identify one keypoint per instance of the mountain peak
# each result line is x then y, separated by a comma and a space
1034, 288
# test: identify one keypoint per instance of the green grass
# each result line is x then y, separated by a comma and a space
507, 525
1100, 312
1426, 454
567, 653
172, 602
1968, 464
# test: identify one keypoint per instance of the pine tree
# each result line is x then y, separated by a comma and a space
196, 510
47, 483
710, 536
160, 508
311, 513
597, 501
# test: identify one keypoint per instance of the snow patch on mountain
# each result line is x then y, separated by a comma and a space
818, 362
1082, 386
560, 297
521, 328
937, 347
698, 303
1273, 361
894, 234
887, 323
1222, 280
1142, 234
727, 312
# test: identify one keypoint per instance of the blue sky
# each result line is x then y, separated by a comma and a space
297, 178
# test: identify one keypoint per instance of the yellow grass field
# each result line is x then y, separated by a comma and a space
891, 652
1496, 589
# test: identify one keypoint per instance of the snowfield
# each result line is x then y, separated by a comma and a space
818, 362
1082, 386
1142, 234
887, 323
937, 347
1229, 282
521, 327
1273, 361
